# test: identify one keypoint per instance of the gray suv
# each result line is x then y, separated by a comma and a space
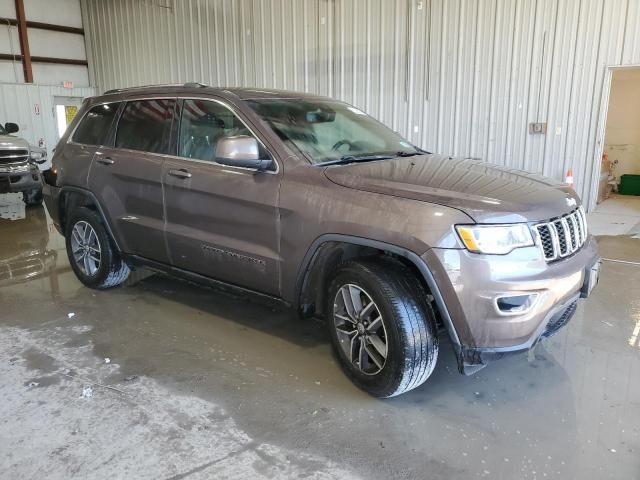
311, 202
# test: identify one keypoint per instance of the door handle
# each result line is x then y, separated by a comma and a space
180, 173
105, 160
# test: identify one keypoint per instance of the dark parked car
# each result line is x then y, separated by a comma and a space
19, 166
310, 201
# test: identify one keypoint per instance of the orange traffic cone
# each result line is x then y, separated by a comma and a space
569, 178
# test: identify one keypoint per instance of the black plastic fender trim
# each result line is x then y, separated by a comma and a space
395, 249
95, 201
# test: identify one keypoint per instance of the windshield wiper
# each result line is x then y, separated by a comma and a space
356, 158
409, 154
371, 156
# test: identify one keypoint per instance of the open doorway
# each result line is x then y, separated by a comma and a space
64, 110
618, 194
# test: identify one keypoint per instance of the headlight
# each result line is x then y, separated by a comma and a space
38, 155
495, 239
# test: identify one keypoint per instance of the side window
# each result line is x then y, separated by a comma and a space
146, 125
94, 126
203, 124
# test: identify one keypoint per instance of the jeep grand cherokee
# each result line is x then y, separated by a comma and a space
312, 202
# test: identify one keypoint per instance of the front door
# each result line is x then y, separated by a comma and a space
221, 221
127, 177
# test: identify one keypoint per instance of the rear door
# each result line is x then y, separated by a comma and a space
92, 132
127, 176
222, 222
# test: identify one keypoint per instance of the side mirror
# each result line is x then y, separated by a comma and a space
241, 151
11, 127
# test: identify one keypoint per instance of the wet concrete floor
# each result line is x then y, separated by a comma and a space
201, 384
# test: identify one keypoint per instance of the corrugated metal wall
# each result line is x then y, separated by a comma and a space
455, 76
31, 107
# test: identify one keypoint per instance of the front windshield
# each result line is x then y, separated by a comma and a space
330, 131
2, 130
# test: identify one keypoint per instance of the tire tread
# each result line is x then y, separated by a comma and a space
415, 317
118, 270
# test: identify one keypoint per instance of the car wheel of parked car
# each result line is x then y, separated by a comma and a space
382, 326
32, 198
91, 254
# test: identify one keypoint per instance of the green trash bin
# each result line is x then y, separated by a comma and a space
630, 184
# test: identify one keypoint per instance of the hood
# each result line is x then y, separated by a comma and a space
488, 193
9, 141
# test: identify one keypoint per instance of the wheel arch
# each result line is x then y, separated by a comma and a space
329, 250
71, 198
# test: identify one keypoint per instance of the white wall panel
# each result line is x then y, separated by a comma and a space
58, 12
45, 43
11, 71
9, 39
8, 8
455, 76
54, 74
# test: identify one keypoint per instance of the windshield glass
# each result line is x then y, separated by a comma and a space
328, 131
2, 130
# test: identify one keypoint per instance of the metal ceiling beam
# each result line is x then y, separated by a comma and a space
44, 26
24, 41
35, 59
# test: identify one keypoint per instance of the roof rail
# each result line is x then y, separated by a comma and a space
195, 85
141, 87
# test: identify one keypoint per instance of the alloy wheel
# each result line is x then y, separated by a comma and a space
85, 247
360, 329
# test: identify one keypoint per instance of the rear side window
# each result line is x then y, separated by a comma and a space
94, 126
145, 125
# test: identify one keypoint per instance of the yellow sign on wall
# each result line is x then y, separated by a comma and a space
70, 112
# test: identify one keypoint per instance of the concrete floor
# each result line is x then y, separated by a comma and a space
204, 385
618, 215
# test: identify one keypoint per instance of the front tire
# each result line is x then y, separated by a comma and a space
382, 326
94, 260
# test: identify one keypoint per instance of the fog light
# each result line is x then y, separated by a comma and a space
515, 304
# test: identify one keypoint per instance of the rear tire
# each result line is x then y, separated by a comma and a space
93, 258
400, 349
32, 198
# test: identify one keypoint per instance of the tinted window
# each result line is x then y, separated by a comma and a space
145, 125
202, 125
94, 127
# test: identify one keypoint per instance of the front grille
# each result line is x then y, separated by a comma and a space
13, 155
563, 236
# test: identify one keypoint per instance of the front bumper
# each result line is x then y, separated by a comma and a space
19, 180
470, 285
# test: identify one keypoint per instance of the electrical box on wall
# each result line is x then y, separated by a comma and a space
538, 128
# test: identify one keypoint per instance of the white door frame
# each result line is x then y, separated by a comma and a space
600, 132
